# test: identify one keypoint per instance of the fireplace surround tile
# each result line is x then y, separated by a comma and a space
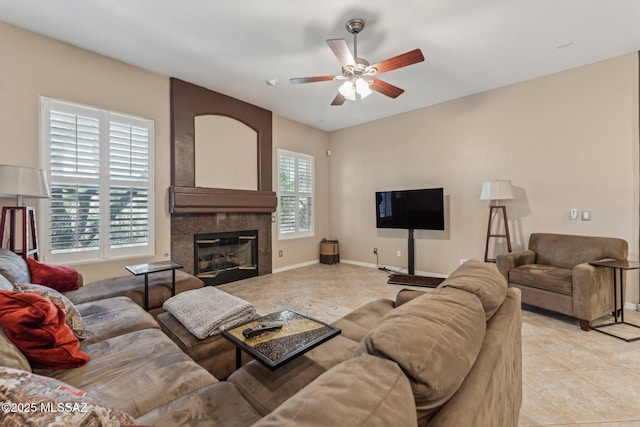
184, 227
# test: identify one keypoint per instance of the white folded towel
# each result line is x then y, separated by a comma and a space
207, 311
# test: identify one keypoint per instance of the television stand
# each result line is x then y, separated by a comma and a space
413, 280
410, 252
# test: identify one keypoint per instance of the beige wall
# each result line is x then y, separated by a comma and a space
568, 140
293, 136
35, 66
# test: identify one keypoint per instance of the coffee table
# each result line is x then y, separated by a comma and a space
299, 334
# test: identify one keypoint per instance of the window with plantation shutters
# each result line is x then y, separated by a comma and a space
295, 193
100, 172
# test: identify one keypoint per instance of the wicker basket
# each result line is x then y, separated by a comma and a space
329, 251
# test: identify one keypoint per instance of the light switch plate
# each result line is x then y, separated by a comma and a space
573, 213
586, 215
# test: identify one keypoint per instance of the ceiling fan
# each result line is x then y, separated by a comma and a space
358, 75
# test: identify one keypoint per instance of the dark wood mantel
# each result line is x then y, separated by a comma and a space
189, 101
184, 200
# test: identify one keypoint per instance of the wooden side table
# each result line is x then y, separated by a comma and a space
617, 267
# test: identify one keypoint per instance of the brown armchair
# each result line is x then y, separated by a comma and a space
555, 274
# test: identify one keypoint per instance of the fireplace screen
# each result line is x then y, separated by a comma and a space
226, 257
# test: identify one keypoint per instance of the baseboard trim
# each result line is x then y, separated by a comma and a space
294, 266
393, 269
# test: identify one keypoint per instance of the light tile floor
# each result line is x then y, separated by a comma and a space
570, 377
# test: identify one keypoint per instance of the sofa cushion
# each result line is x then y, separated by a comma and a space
13, 267
405, 295
54, 276
549, 278
371, 390
11, 356
111, 317
72, 316
37, 327
136, 372
481, 279
46, 401
357, 324
133, 287
435, 339
216, 405
266, 389
5, 284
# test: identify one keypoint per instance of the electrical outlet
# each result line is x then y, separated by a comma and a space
463, 260
375, 251
398, 253
280, 253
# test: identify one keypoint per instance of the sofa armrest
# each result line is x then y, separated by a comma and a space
506, 262
406, 295
593, 291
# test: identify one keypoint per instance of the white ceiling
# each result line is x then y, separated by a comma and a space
233, 47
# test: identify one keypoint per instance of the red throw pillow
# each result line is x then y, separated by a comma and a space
37, 327
60, 278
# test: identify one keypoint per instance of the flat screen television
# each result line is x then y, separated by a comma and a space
411, 209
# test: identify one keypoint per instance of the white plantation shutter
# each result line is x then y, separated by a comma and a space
100, 167
305, 193
295, 192
129, 172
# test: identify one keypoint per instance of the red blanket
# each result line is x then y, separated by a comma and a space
38, 329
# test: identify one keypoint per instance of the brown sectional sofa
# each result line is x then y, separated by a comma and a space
449, 357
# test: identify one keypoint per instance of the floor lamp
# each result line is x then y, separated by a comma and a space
19, 182
497, 190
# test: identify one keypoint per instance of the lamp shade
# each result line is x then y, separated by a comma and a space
500, 189
23, 182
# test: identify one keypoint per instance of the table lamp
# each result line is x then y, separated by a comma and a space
19, 182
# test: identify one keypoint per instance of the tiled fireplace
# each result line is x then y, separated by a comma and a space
186, 229
225, 257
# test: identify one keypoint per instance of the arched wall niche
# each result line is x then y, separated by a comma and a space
226, 153
189, 101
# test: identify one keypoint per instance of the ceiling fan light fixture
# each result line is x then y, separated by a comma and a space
347, 89
362, 87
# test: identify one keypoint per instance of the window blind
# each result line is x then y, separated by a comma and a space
295, 194
101, 180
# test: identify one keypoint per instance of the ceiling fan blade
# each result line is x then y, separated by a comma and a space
341, 51
399, 61
299, 80
385, 88
338, 100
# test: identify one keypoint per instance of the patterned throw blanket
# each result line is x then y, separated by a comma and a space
207, 311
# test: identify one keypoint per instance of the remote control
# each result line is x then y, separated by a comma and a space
259, 329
